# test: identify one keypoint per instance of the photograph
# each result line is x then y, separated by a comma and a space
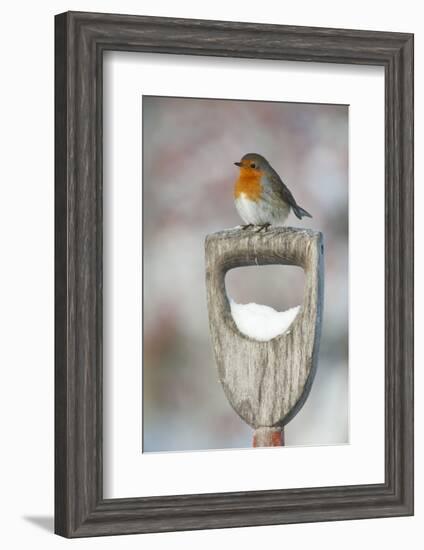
209, 261
260, 170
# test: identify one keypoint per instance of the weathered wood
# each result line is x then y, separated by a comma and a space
268, 437
266, 383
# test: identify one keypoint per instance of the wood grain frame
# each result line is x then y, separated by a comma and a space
80, 40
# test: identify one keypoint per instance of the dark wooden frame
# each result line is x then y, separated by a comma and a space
80, 40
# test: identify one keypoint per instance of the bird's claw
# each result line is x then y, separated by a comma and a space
264, 227
247, 226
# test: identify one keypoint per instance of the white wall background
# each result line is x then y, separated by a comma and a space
26, 274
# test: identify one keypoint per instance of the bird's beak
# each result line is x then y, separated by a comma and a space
237, 163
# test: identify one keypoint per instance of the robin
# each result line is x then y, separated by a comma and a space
261, 197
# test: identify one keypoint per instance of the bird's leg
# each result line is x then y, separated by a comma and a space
264, 226
247, 226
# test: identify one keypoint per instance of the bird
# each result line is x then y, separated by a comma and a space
260, 196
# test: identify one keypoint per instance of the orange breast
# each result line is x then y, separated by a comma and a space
248, 184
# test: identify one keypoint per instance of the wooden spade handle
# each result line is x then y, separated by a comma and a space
265, 382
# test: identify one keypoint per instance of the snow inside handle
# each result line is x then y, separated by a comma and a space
267, 382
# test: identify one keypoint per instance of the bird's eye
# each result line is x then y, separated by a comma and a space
253, 165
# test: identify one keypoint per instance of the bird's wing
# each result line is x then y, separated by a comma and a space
279, 189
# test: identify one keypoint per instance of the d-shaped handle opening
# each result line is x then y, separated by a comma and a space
231, 249
265, 300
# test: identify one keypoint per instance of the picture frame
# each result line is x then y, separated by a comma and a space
80, 41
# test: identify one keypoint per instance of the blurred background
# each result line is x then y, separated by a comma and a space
189, 147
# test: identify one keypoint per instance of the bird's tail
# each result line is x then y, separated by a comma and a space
301, 212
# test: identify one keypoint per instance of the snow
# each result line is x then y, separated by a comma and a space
261, 322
